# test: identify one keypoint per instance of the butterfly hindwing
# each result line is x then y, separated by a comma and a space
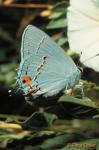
49, 69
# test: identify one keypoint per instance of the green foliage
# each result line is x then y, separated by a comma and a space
62, 41
39, 120
57, 122
58, 21
7, 73
83, 102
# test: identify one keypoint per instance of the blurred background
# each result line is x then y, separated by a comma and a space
49, 16
15, 16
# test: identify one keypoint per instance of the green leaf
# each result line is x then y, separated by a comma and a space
56, 142
91, 141
55, 15
84, 102
61, 6
62, 41
57, 23
50, 118
39, 120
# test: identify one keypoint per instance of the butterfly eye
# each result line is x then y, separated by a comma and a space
27, 80
45, 57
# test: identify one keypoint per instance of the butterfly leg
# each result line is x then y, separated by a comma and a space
68, 91
80, 87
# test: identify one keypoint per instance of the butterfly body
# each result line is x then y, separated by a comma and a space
44, 68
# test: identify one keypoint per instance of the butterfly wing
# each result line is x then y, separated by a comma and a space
83, 31
35, 41
45, 63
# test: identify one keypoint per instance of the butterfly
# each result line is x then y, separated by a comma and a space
83, 31
45, 69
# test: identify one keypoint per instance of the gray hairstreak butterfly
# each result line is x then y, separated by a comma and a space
44, 68
83, 31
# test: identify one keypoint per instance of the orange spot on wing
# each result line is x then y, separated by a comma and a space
27, 80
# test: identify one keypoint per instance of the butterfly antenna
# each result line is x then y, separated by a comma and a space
78, 64
90, 58
13, 87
